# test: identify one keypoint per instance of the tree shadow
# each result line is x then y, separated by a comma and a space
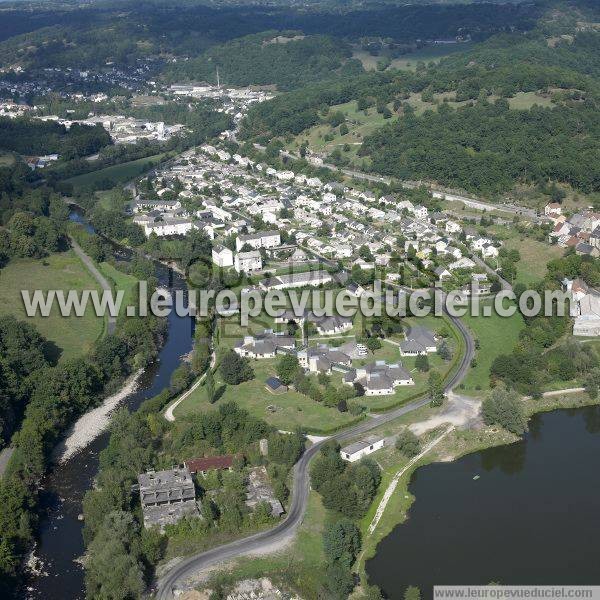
52, 352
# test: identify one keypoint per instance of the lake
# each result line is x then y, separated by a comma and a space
532, 517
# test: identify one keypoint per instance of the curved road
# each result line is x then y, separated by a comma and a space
286, 529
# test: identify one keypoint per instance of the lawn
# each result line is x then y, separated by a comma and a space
118, 174
525, 100
496, 335
534, 258
288, 411
72, 336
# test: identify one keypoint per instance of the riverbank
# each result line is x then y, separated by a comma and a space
302, 568
456, 445
94, 422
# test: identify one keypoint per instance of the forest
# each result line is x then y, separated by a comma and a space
485, 148
286, 59
91, 35
34, 137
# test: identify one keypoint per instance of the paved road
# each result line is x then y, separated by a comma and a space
505, 285
286, 529
91, 267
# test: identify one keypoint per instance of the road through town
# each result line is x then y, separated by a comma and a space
285, 530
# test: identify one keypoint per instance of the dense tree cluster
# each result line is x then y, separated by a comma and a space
270, 57
130, 32
487, 147
348, 488
34, 137
23, 352
504, 407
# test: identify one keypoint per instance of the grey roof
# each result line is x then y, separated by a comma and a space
411, 346
421, 335
258, 235
360, 445
379, 381
162, 487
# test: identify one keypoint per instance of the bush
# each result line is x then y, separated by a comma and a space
408, 443
235, 369
503, 407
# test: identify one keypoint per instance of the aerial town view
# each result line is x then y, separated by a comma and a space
299, 300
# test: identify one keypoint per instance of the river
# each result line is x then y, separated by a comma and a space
60, 540
532, 516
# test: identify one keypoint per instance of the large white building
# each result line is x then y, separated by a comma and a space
260, 239
296, 280
168, 227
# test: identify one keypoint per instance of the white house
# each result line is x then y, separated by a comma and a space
358, 450
453, 227
247, 262
222, 256
554, 209
420, 212
489, 251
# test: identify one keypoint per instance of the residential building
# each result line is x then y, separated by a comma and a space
261, 239
419, 340
222, 256
248, 262
296, 280
264, 345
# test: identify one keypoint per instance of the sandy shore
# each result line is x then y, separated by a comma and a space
93, 423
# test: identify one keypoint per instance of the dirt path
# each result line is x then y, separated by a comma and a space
91, 267
394, 483
168, 414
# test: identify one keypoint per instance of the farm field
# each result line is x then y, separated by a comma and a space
118, 174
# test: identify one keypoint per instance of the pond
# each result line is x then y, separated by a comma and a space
532, 516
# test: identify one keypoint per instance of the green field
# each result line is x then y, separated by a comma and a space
409, 61
534, 258
7, 159
119, 281
119, 174
525, 100
496, 335
360, 124
289, 410
72, 336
